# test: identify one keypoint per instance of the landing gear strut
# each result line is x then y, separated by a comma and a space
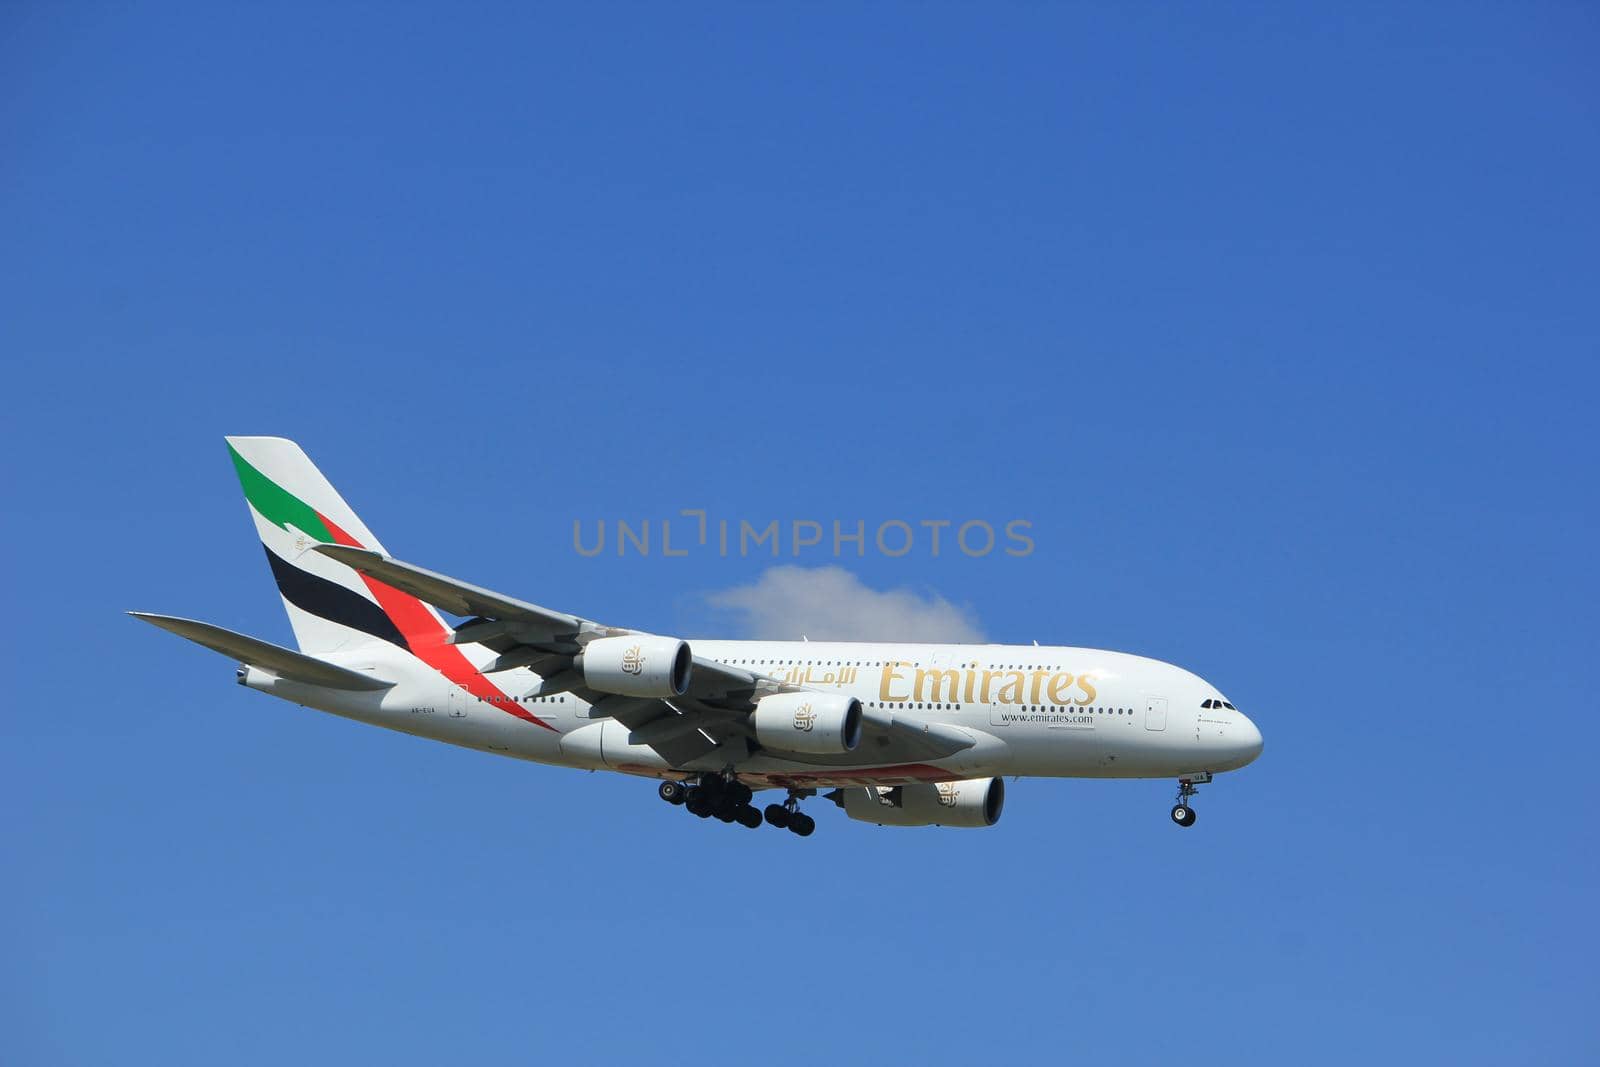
1182, 813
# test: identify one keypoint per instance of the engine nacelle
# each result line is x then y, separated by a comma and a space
638, 665
817, 724
973, 802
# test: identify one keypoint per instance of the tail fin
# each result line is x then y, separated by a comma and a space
330, 606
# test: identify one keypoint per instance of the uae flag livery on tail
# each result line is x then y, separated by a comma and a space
332, 607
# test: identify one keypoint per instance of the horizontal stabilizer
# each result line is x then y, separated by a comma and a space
285, 663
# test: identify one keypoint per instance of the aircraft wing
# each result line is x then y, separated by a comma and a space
535, 624
707, 728
507, 624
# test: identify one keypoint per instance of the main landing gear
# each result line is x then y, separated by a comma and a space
788, 816
728, 800
1182, 813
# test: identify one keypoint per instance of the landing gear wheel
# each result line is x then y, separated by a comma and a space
673, 792
1183, 815
801, 824
699, 804
748, 817
777, 815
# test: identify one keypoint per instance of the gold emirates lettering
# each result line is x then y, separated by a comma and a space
901, 681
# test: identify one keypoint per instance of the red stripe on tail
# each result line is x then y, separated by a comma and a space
429, 639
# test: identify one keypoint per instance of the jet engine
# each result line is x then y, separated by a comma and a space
817, 724
637, 665
973, 802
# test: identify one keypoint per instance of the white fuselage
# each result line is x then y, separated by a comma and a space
1031, 710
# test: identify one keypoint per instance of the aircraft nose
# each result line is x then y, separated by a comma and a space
1250, 742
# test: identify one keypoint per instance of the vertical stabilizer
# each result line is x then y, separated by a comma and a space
330, 606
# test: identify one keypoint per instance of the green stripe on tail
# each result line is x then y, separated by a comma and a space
276, 504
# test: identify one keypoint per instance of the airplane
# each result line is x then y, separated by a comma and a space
893, 733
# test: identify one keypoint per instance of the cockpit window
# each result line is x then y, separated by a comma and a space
1215, 703
1209, 704
1229, 706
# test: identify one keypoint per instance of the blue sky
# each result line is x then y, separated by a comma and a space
1277, 324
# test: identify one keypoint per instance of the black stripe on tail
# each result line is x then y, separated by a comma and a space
332, 601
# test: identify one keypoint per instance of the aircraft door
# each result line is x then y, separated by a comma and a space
458, 702
1155, 713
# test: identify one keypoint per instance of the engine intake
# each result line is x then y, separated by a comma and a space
973, 802
816, 724
637, 665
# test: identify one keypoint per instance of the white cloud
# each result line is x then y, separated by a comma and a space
831, 604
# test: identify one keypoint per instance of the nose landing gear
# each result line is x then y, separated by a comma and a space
1182, 813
